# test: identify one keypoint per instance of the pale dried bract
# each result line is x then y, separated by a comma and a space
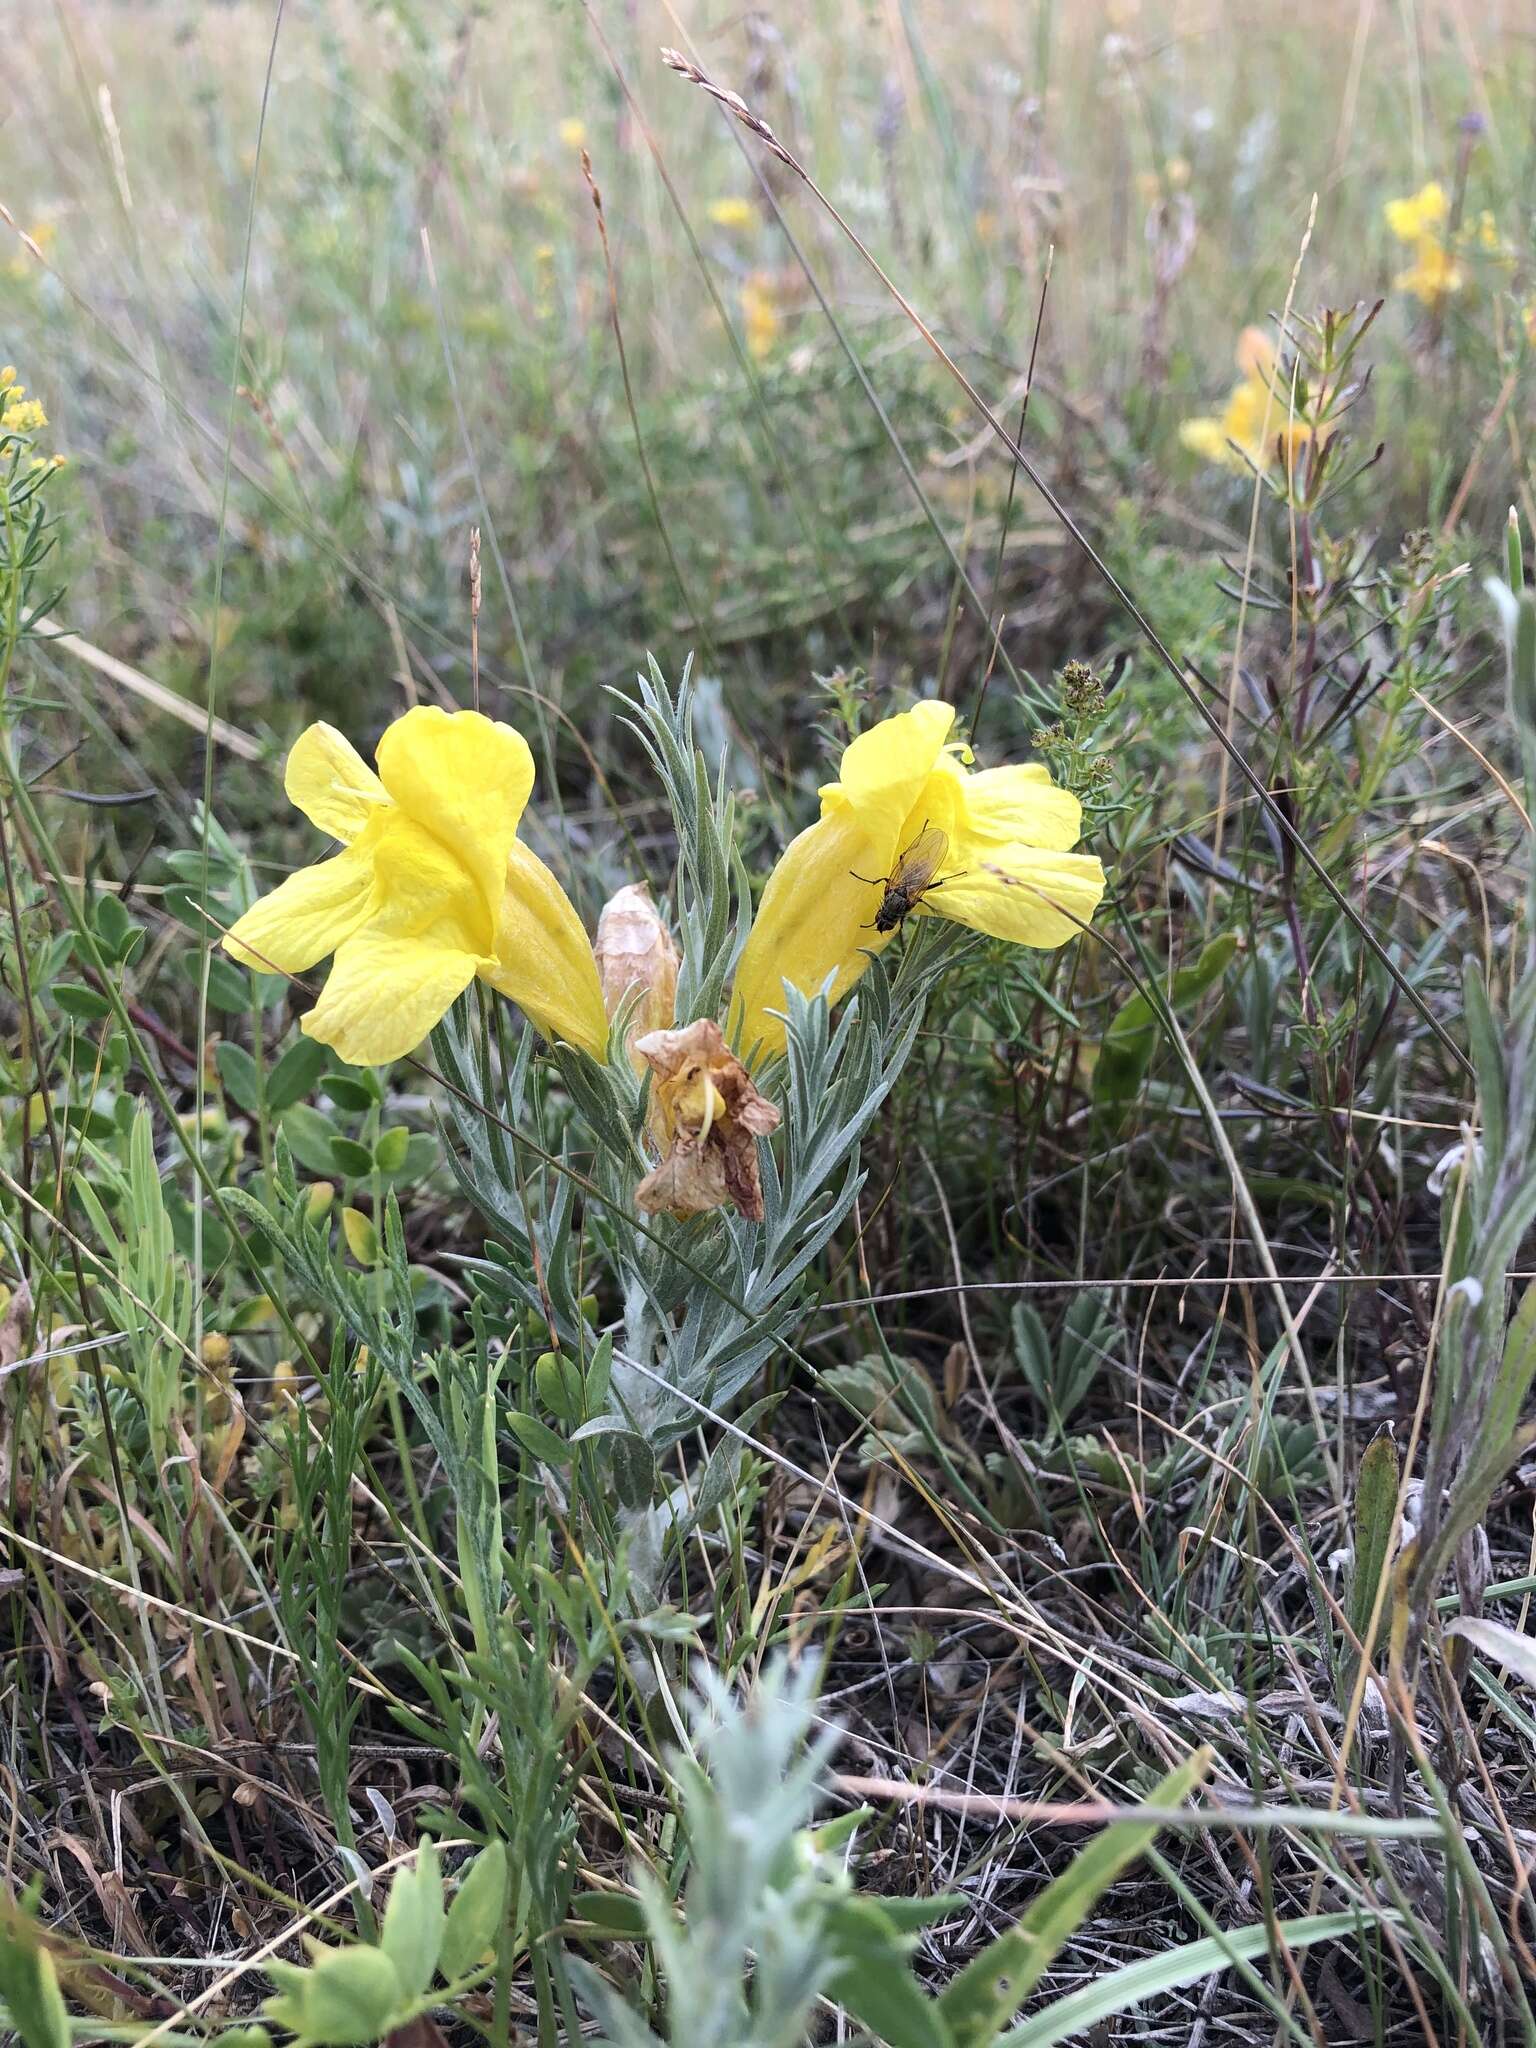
636, 953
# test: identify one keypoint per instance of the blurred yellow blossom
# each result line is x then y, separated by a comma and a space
1420, 218
1434, 273
21, 415
732, 213
1241, 431
1417, 214
760, 313
572, 133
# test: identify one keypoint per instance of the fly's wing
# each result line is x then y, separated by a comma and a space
917, 866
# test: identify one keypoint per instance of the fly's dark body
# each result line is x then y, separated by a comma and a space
910, 880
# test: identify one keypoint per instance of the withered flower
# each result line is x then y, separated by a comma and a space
636, 951
711, 1117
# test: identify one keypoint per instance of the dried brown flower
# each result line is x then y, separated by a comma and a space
711, 1117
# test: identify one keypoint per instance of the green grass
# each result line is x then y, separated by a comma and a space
370, 1474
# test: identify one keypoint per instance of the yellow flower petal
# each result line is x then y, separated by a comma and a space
732, 213
422, 891
306, 917
1409, 218
1434, 275
1011, 805
330, 782
815, 920
1024, 895
1205, 438
544, 961
466, 780
384, 995
883, 772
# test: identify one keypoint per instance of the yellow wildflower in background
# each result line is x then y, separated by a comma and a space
1434, 274
18, 413
22, 415
433, 888
732, 213
1241, 429
1420, 219
1005, 869
572, 133
1419, 214
760, 314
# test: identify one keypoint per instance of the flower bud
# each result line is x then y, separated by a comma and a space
635, 951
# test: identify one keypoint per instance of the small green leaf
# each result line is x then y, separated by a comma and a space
412, 1933
421, 1155
229, 986
85, 1005
238, 1072
615, 1915
390, 1151
295, 1074
350, 1091
111, 921
539, 1438
351, 1160
310, 1134
476, 1915
349, 1997
560, 1386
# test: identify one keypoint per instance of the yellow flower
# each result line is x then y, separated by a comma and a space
1415, 216
1005, 868
759, 314
1257, 399
7, 376
1435, 273
732, 213
572, 133
433, 888
21, 415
